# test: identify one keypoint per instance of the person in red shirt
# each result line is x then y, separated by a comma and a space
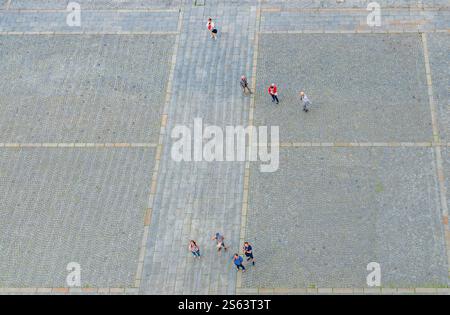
211, 28
273, 92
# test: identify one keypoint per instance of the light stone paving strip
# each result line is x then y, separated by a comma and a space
78, 145
164, 117
249, 147
196, 199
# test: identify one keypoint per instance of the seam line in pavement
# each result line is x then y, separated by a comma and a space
437, 149
361, 9
88, 33
436, 136
373, 290
77, 145
164, 118
143, 10
245, 195
411, 30
363, 144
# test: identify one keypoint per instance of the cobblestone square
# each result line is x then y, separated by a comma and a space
87, 120
363, 87
87, 88
69, 205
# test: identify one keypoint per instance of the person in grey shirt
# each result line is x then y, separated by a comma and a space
306, 101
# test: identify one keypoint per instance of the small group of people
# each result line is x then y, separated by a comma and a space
273, 92
220, 244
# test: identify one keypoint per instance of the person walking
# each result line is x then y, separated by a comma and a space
244, 85
237, 260
273, 91
248, 251
306, 102
195, 250
219, 238
211, 28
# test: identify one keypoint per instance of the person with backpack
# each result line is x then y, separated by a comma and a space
244, 85
219, 242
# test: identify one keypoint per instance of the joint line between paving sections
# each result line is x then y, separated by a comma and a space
360, 9
137, 10
437, 149
164, 119
54, 33
77, 145
355, 31
373, 290
435, 126
245, 196
363, 144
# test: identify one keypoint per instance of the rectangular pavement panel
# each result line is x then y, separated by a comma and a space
328, 212
363, 87
72, 205
108, 88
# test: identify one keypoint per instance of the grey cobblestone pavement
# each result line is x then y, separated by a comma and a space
327, 213
371, 88
71, 205
91, 21
98, 94
316, 222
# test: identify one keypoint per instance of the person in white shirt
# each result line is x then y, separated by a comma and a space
306, 101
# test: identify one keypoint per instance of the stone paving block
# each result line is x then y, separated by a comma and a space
107, 88
72, 205
439, 55
328, 212
363, 87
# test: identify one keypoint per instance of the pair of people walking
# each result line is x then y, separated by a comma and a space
273, 91
195, 249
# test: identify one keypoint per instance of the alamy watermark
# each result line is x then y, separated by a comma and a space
374, 17
212, 143
74, 16
374, 277
73, 279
